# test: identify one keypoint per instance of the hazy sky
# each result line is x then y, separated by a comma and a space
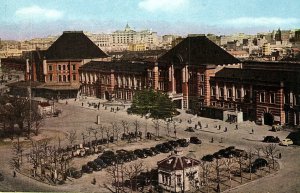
23, 19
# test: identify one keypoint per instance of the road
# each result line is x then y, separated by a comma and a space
76, 117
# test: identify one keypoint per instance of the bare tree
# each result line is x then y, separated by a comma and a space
229, 165
250, 156
167, 123
133, 169
116, 130
156, 124
115, 172
137, 128
206, 166
101, 128
175, 127
270, 151
125, 126
71, 137
258, 150
18, 150
240, 160
108, 133
218, 164
37, 121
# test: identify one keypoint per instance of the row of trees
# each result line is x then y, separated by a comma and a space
19, 116
43, 160
117, 130
221, 169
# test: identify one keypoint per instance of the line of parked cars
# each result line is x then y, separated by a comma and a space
272, 139
109, 158
228, 152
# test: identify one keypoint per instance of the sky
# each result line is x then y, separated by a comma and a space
25, 19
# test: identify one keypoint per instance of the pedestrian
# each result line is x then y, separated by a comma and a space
279, 155
225, 129
212, 140
82, 104
236, 127
252, 131
219, 127
14, 174
94, 181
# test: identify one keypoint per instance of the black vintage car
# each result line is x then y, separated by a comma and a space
183, 142
140, 153
86, 169
73, 173
195, 140
271, 139
100, 162
94, 165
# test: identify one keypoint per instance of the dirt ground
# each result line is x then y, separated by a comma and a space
78, 117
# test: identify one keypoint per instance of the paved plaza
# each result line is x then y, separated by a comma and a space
78, 115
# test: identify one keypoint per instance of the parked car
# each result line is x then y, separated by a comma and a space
260, 162
154, 150
100, 162
189, 129
208, 158
276, 128
183, 142
168, 145
286, 142
239, 153
195, 140
94, 165
173, 143
73, 173
148, 152
140, 154
132, 156
271, 139
161, 148
87, 169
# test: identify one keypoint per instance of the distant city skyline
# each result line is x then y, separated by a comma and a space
26, 19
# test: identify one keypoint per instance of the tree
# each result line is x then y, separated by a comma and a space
250, 156
167, 123
258, 150
116, 130
206, 166
155, 103
270, 151
156, 124
132, 170
71, 137
125, 126
137, 128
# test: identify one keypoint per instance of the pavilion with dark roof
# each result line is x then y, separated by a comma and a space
178, 173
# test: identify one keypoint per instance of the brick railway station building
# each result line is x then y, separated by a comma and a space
197, 75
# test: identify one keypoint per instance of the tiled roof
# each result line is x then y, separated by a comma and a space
74, 45
176, 162
59, 86
271, 76
117, 66
198, 51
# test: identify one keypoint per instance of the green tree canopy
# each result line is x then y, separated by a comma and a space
158, 104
